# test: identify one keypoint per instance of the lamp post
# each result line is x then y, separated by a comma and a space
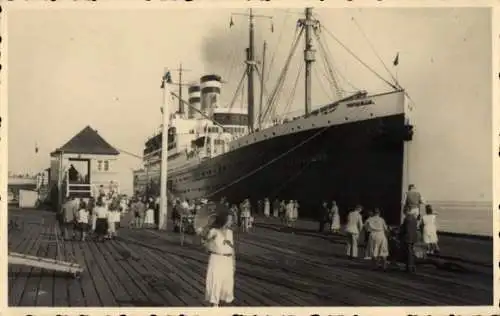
167, 98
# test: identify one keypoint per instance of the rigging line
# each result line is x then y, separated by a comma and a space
274, 94
325, 75
375, 52
240, 84
259, 74
274, 97
228, 67
287, 181
234, 65
294, 89
316, 72
249, 174
328, 67
358, 59
277, 45
129, 153
329, 53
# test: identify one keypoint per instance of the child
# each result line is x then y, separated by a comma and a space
83, 220
429, 231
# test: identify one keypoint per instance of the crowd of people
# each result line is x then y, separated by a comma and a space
101, 217
398, 243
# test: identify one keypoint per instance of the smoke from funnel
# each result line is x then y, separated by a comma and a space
221, 45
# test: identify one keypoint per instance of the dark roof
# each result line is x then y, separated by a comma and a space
87, 141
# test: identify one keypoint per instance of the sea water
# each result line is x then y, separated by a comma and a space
474, 218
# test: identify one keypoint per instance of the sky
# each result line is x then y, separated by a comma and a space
71, 68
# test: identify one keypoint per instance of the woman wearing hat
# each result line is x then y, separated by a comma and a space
218, 240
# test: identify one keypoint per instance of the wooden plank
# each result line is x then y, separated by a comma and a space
140, 273
186, 291
61, 284
172, 293
48, 277
105, 294
189, 273
32, 287
18, 287
118, 290
73, 288
22, 242
131, 280
89, 291
132, 292
272, 268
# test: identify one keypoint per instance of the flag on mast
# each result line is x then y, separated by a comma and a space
166, 78
396, 60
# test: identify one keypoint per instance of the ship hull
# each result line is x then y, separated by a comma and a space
355, 163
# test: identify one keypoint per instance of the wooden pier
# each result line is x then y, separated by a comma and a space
274, 268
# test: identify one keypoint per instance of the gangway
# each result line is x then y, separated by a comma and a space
46, 263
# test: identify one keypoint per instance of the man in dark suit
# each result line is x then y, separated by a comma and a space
408, 237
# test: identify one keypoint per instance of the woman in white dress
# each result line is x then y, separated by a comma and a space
377, 241
335, 227
289, 213
245, 215
219, 242
267, 208
429, 231
149, 220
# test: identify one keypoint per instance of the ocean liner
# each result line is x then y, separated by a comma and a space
352, 150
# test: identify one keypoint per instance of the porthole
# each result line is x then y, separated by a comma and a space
371, 114
274, 133
346, 118
329, 122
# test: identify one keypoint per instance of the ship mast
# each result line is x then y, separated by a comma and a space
181, 104
251, 64
250, 69
308, 23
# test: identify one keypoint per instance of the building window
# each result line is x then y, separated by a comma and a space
99, 165
106, 165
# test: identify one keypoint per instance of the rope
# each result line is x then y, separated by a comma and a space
321, 131
315, 71
276, 48
333, 86
285, 183
240, 84
129, 153
375, 52
280, 83
358, 59
328, 66
294, 89
338, 72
